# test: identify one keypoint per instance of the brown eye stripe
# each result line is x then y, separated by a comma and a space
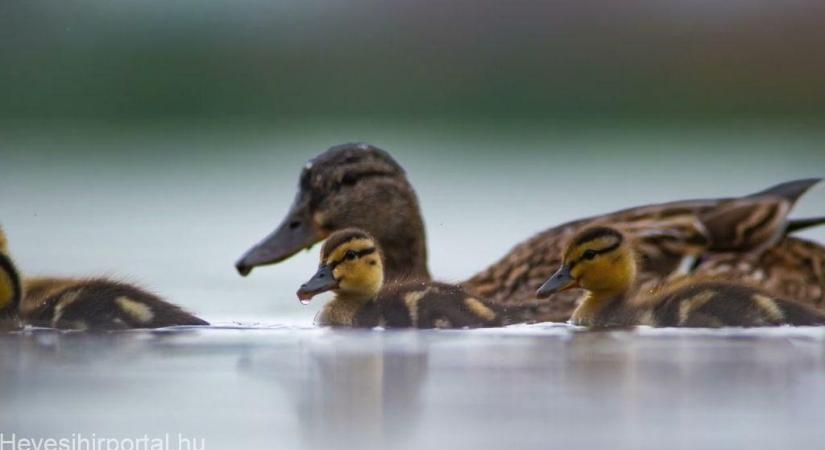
596, 232
360, 253
365, 252
597, 252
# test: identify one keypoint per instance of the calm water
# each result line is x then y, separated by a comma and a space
173, 207
524, 387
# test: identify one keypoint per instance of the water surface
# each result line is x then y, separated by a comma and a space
525, 387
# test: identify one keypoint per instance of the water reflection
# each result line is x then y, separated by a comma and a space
353, 390
521, 387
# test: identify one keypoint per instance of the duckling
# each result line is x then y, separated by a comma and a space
602, 261
10, 289
352, 266
97, 304
82, 304
341, 187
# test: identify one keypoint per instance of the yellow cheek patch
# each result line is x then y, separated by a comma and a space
340, 269
355, 245
577, 271
349, 270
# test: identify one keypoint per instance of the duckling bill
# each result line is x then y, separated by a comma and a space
602, 261
352, 267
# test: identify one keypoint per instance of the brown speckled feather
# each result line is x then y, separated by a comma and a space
710, 304
793, 268
427, 304
97, 304
698, 303
664, 235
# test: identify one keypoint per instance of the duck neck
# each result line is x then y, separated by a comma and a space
405, 254
398, 226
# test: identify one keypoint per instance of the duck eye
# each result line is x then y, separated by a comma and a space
350, 255
589, 254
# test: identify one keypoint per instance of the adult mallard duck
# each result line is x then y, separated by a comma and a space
352, 266
341, 187
603, 262
81, 304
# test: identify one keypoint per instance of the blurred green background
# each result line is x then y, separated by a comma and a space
156, 141
258, 58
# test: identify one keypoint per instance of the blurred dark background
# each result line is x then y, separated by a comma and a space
254, 58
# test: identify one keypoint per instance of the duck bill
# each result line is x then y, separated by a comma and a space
561, 281
322, 281
295, 233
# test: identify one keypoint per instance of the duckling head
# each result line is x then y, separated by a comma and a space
598, 259
4, 246
351, 266
350, 185
10, 290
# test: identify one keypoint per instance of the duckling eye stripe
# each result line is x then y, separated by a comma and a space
360, 253
598, 252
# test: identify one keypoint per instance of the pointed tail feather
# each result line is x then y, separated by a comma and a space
790, 190
756, 220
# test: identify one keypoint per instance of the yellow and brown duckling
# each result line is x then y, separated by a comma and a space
82, 304
11, 290
603, 261
341, 187
352, 266
97, 304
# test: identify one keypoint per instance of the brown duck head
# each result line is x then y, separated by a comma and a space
350, 185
